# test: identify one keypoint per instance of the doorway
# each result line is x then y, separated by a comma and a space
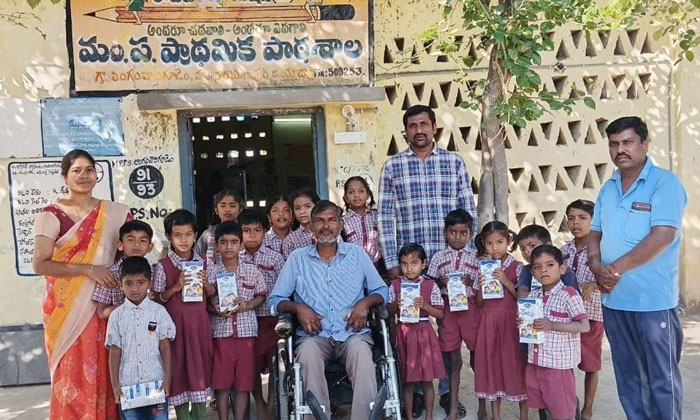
258, 155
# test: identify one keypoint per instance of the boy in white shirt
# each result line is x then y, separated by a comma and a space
138, 338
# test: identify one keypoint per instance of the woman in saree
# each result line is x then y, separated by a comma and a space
75, 242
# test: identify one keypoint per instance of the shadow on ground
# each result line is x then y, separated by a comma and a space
31, 402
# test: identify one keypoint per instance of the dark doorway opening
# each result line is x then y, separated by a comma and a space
259, 156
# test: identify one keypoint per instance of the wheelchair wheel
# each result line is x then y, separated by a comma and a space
279, 375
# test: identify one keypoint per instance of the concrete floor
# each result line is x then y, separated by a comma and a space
31, 402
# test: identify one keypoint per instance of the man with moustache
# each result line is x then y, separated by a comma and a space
633, 251
328, 281
417, 188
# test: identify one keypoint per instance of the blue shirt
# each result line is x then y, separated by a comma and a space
331, 290
656, 198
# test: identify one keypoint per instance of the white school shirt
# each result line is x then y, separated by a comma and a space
137, 331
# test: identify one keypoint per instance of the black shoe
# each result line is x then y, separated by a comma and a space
461, 410
445, 404
418, 405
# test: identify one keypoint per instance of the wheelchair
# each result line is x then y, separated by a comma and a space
290, 402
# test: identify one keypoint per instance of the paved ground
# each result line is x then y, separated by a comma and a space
31, 402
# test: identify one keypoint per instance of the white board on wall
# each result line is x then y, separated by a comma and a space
20, 128
33, 186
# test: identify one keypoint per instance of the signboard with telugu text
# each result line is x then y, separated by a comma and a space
121, 45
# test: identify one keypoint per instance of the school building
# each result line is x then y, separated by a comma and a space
278, 95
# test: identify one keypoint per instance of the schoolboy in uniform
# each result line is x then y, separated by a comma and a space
579, 214
269, 263
550, 379
529, 238
138, 338
460, 326
135, 240
234, 331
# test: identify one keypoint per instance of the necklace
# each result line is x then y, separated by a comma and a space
77, 210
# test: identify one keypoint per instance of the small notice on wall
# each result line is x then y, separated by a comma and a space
33, 186
91, 124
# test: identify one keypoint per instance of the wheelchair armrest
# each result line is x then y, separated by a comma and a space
382, 311
285, 324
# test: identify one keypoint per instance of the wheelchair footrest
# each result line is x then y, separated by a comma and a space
305, 409
392, 404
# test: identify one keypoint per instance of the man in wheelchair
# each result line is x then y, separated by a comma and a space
334, 285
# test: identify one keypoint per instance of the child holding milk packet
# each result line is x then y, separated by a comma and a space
192, 347
416, 298
455, 268
140, 330
550, 379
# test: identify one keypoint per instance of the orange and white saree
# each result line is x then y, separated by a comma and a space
78, 359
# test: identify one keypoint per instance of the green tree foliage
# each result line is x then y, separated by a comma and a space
673, 18
514, 33
507, 37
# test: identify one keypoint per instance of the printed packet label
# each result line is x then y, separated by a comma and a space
530, 309
410, 314
193, 290
227, 287
491, 288
457, 292
142, 395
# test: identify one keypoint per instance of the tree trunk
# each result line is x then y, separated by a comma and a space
493, 184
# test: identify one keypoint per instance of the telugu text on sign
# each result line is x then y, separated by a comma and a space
136, 45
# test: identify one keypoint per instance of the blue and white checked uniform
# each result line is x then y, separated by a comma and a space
416, 195
331, 290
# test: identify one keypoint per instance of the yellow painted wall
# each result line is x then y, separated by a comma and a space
35, 58
32, 68
687, 158
36, 67
346, 160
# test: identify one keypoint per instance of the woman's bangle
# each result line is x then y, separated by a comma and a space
160, 296
91, 267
